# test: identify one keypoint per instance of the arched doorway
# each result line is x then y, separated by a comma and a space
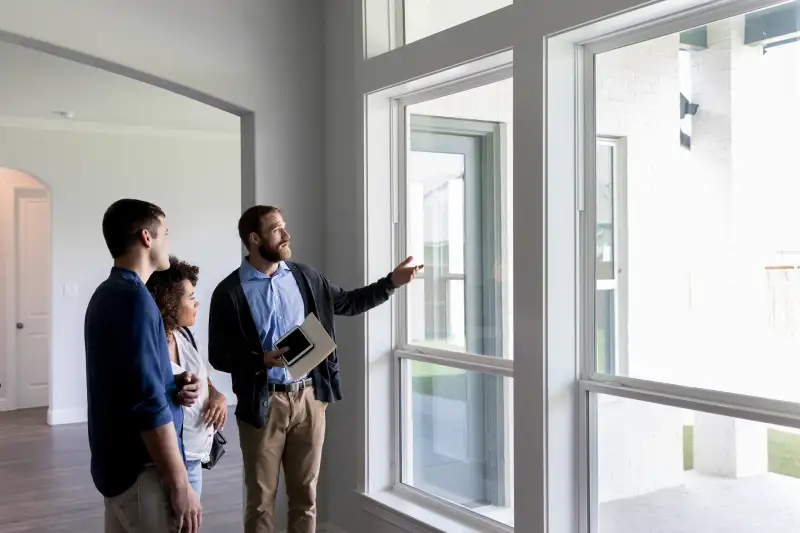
25, 291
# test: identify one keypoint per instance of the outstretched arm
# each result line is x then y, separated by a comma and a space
361, 300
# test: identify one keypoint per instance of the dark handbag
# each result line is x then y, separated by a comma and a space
217, 450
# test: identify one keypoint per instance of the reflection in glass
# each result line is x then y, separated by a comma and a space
455, 436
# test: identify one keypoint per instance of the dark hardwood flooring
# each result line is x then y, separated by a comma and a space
45, 485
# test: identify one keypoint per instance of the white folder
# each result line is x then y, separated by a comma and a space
323, 347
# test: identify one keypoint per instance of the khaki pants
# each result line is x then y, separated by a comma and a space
293, 437
143, 508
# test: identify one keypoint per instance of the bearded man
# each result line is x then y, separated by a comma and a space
281, 420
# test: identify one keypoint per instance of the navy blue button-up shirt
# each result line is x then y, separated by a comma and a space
276, 305
130, 387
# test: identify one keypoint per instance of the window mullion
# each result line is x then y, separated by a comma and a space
464, 361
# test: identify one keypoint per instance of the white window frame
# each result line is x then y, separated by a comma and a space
592, 383
620, 282
385, 130
385, 28
568, 132
499, 366
494, 163
546, 193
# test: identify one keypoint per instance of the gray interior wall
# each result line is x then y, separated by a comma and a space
263, 57
259, 57
340, 461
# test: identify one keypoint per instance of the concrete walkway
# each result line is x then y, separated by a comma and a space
706, 504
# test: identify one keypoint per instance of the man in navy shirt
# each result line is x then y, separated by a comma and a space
135, 418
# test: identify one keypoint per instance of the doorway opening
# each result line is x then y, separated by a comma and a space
25, 295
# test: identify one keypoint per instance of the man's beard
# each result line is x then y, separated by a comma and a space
276, 255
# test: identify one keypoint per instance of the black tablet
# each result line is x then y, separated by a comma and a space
298, 345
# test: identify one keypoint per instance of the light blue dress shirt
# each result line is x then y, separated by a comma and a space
276, 305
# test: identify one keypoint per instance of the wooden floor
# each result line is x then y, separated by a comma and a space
45, 485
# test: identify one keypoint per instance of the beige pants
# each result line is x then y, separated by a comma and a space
143, 508
293, 437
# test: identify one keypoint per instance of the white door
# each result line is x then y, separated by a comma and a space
33, 297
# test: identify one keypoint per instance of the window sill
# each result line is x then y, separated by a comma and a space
416, 514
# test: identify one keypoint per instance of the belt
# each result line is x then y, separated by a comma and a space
290, 387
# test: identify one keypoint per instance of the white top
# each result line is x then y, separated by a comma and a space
197, 438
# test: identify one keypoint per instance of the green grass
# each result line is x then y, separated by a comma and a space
783, 449
424, 370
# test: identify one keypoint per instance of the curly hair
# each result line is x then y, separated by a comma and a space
167, 289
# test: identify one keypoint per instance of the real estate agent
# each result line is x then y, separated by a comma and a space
281, 422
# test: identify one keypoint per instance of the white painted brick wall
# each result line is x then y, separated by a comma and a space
637, 87
701, 227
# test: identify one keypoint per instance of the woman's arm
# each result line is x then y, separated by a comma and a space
215, 412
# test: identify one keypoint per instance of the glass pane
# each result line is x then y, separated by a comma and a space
712, 269
456, 440
605, 334
426, 17
604, 252
456, 321
458, 222
666, 470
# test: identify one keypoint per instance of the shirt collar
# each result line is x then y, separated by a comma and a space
124, 273
248, 272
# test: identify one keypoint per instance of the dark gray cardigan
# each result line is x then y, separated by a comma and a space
234, 346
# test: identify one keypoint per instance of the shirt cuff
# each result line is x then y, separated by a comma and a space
152, 417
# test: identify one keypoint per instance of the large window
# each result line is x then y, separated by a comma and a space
454, 346
691, 346
408, 21
422, 18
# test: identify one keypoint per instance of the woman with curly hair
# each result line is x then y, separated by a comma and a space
173, 290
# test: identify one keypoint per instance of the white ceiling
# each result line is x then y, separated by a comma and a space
33, 85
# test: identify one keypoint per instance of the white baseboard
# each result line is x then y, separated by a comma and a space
56, 417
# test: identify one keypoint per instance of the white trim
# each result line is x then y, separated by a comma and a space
731, 404
458, 47
690, 17
588, 225
397, 23
464, 361
56, 417
493, 73
415, 512
101, 128
382, 162
440, 83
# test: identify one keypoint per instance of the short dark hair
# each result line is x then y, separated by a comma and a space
124, 221
167, 289
250, 221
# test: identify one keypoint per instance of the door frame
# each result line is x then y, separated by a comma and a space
11, 400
